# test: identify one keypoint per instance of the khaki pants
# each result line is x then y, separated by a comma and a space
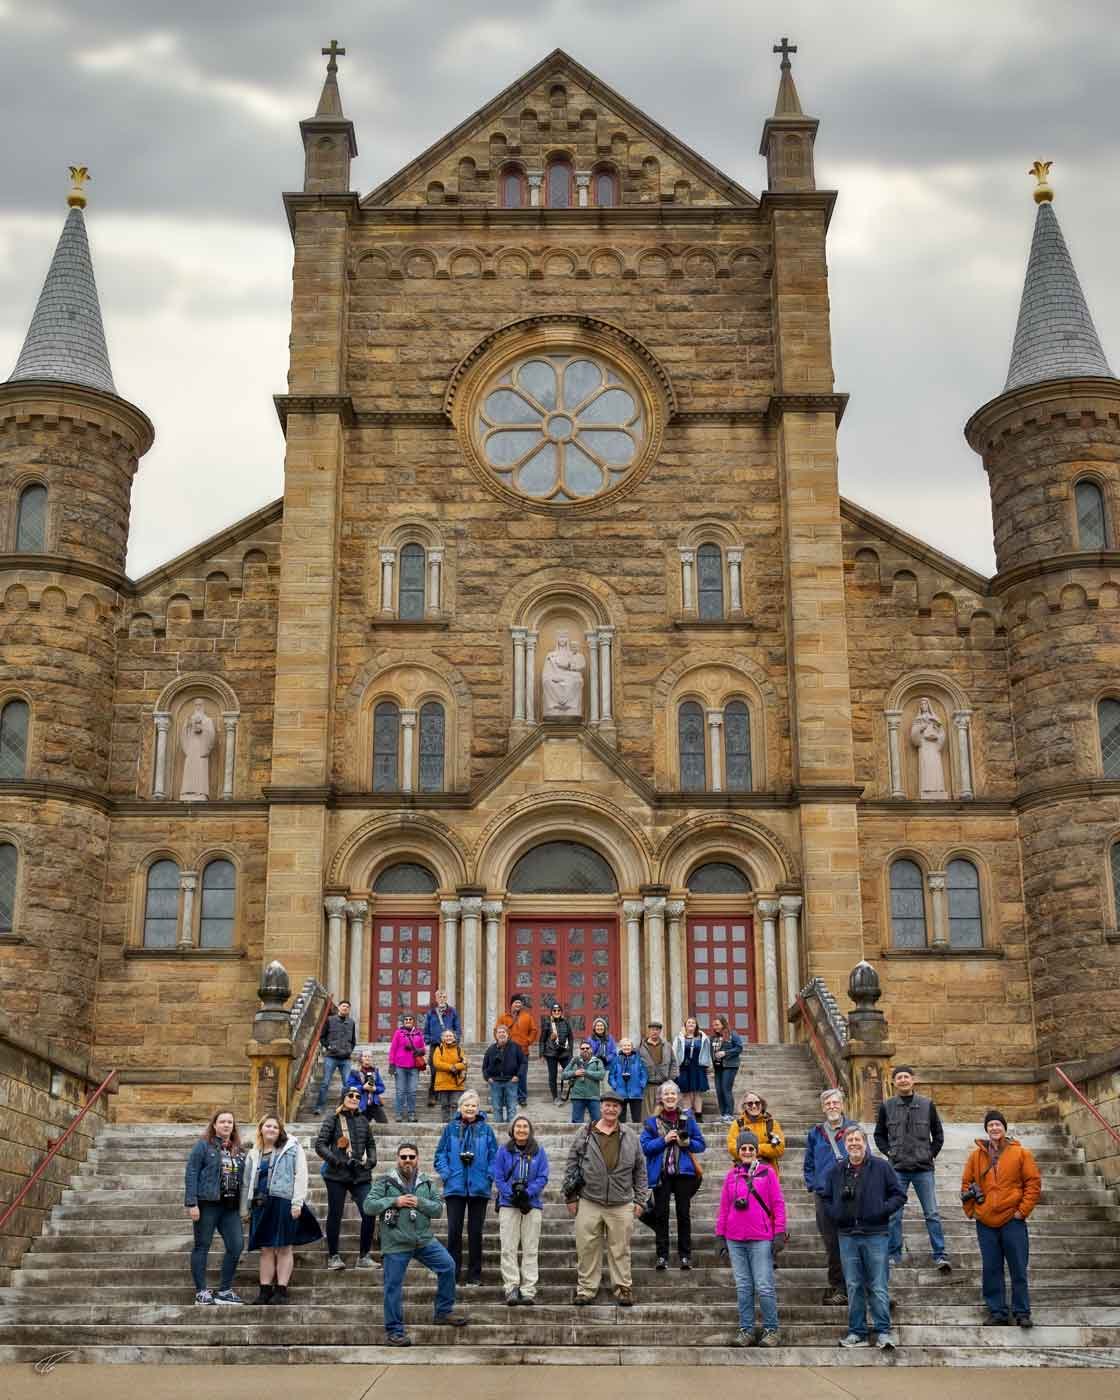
649, 1099
591, 1223
525, 1230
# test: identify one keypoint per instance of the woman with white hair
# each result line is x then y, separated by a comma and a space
464, 1160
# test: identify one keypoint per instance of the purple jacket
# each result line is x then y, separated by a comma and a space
404, 1047
753, 1223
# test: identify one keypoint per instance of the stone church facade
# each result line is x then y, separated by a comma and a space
561, 666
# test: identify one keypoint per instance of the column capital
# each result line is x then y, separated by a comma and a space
768, 908
535, 181
408, 718
388, 556
230, 718
583, 179
687, 556
163, 721
675, 907
449, 908
935, 879
791, 903
962, 718
654, 905
715, 718
357, 909
435, 556
518, 633
893, 718
471, 905
492, 908
606, 633
734, 556
532, 636
188, 879
633, 908
335, 905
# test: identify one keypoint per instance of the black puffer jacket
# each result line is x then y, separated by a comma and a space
356, 1165
561, 1047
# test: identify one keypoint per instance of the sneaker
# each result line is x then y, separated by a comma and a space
334, 1263
686, 1264
853, 1339
888, 1342
398, 1339
769, 1338
996, 1320
662, 1264
1024, 1320
624, 1297
450, 1320
203, 1298
472, 1283
365, 1261
943, 1265
743, 1338
228, 1297
835, 1297
513, 1297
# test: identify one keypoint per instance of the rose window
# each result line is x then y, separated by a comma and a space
560, 428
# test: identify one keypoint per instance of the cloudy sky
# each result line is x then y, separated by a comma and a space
187, 117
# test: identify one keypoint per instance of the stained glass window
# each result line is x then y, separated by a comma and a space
161, 905
1114, 859
215, 925
1108, 717
908, 907
9, 866
410, 590
709, 582
737, 746
1091, 533
605, 187
432, 730
31, 521
966, 924
559, 184
690, 735
512, 187
13, 741
562, 867
406, 877
386, 743
718, 877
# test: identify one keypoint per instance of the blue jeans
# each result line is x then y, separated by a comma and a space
725, 1095
394, 1267
866, 1272
590, 1105
926, 1193
212, 1215
523, 1082
405, 1080
341, 1063
752, 1263
503, 1100
1009, 1244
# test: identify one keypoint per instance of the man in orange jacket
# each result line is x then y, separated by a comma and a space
523, 1031
1000, 1187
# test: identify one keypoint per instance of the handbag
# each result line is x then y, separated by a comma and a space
572, 1186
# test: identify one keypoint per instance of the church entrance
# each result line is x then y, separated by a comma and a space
572, 961
721, 978
405, 967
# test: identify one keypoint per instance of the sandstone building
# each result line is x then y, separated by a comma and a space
561, 666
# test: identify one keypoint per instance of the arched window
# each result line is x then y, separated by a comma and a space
433, 729
406, 877
1114, 863
161, 905
219, 889
512, 187
13, 741
1108, 722
31, 520
559, 184
908, 905
410, 592
718, 877
9, 868
386, 746
1091, 532
966, 922
562, 867
604, 187
690, 736
737, 746
709, 582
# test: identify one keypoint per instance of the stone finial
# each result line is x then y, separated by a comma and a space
863, 986
79, 174
275, 986
1043, 194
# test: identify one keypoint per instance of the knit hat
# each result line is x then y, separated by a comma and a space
746, 1139
993, 1115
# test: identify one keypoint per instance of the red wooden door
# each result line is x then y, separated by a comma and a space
721, 971
572, 961
404, 968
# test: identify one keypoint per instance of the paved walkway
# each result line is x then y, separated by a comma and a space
543, 1382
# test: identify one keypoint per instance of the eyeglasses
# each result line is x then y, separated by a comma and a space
406, 1156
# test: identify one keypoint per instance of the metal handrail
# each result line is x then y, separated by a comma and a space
821, 1053
55, 1148
1105, 1124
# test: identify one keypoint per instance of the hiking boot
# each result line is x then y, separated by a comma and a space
582, 1300
743, 1338
513, 1297
853, 1339
280, 1294
334, 1263
398, 1339
450, 1320
996, 1320
204, 1298
527, 1300
624, 1297
1024, 1320
834, 1297
264, 1296
769, 1338
227, 1297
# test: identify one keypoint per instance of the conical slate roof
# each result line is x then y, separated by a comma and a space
66, 340
1055, 337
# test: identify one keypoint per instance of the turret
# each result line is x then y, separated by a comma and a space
789, 135
329, 142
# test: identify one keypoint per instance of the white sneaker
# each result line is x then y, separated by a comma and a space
334, 1263
852, 1340
888, 1342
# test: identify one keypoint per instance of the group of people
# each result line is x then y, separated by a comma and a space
613, 1177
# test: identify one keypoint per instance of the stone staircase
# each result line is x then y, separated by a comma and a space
109, 1280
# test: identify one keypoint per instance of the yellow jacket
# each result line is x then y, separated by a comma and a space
446, 1059
766, 1152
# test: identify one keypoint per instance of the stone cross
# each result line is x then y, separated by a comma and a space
334, 51
785, 48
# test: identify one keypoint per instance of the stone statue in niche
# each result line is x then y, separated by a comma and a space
562, 680
196, 738
927, 734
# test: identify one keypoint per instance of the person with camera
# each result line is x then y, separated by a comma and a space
556, 1047
502, 1068
627, 1076
338, 1038
751, 1229
407, 1058
464, 1161
909, 1134
366, 1078
212, 1197
1000, 1186
727, 1051
450, 1068
660, 1062
349, 1153
585, 1075
755, 1117
603, 1044
440, 1017
407, 1201
274, 1196
672, 1141
824, 1147
520, 1176
863, 1194
523, 1031
605, 1187
692, 1051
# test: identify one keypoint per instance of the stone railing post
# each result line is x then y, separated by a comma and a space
868, 1050
270, 1049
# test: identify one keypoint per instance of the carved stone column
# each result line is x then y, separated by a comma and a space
606, 640
592, 639
449, 951
435, 570
735, 577
894, 751
408, 748
472, 914
632, 913
492, 912
715, 748
357, 909
688, 593
388, 556
962, 721
790, 905
583, 183
535, 182
188, 883
655, 952
531, 638
518, 635
935, 882
335, 906
163, 724
229, 723
677, 989
768, 909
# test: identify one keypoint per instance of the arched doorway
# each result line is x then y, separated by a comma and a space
720, 947
556, 956
404, 957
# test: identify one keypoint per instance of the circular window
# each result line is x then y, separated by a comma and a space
560, 428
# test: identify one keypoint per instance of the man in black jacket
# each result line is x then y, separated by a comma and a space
502, 1066
909, 1134
863, 1193
338, 1038
349, 1152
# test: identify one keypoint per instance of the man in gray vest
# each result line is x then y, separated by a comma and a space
909, 1134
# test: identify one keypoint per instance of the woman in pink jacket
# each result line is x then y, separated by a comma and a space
751, 1225
406, 1060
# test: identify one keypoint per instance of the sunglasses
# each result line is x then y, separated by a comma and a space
353, 1096
406, 1156
753, 1103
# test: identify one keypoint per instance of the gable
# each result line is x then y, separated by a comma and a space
559, 107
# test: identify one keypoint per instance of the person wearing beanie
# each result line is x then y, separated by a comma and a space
751, 1231
909, 1134
1000, 1186
524, 1032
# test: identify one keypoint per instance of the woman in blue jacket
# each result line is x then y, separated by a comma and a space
628, 1076
603, 1045
465, 1162
671, 1141
212, 1197
520, 1176
727, 1051
367, 1080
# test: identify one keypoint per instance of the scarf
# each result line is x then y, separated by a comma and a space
833, 1138
671, 1162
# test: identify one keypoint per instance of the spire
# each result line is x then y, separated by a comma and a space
789, 135
1055, 337
788, 103
330, 99
66, 339
328, 137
